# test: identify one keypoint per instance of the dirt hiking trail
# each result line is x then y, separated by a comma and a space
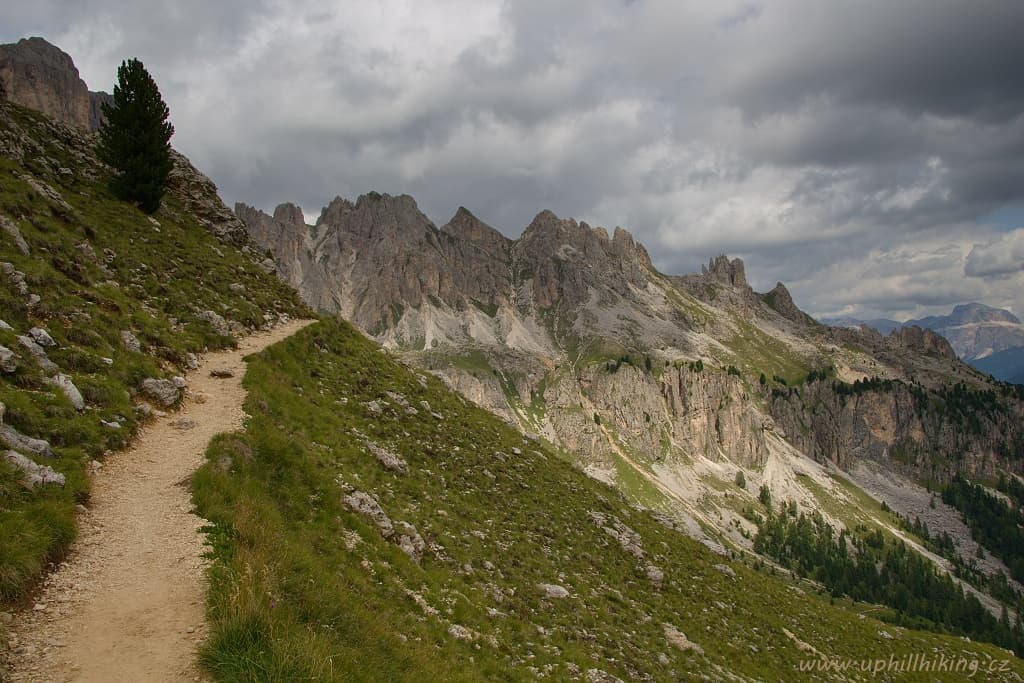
128, 603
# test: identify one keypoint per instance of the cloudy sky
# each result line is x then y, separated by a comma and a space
868, 153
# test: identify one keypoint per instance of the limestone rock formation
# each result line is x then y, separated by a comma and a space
922, 340
780, 299
38, 75
727, 272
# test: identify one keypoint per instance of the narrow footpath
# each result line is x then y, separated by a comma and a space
128, 604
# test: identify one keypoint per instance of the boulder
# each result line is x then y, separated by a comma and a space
552, 590
47, 365
655, 576
678, 639
34, 474
166, 392
130, 341
217, 322
8, 361
367, 505
390, 460
14, 233
42, 337
13, 439
65, 384
410, 541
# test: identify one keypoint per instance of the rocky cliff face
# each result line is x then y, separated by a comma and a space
904, 427
920, 340
40, 76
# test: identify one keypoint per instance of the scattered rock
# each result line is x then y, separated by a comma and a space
552, 590
885, 634
599, 676
726, 569
410, 541
397, 398
388, 459
35, 474
222, 373
678, 639
237, 287
64, 383
15, 234
627, 538
217, 322
800, 645
47, 365
166, 392
183, 423
8, 361
42, 337
110, 425
16, 277
191, 361
459, 632
374, 408
130, 341
15, 440
655, 576
367, 505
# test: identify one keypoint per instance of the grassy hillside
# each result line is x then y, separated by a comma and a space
368, 524
87, 268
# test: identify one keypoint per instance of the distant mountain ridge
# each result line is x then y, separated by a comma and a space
975, 331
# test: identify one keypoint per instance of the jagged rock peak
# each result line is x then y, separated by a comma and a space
725, 271
780, 299
41, 76
923, 340
467, 226
625, 245
289, 214
548, 229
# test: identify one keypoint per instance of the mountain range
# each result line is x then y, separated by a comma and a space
990, 339
494, 458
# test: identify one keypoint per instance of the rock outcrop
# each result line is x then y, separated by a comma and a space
780, 299
721, 269
40, 76
922, 340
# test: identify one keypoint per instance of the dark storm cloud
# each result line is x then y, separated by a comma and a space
941, 57
849, 149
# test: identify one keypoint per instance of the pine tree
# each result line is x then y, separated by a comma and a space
135, 138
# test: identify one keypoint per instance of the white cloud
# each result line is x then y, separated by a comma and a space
1000, 257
